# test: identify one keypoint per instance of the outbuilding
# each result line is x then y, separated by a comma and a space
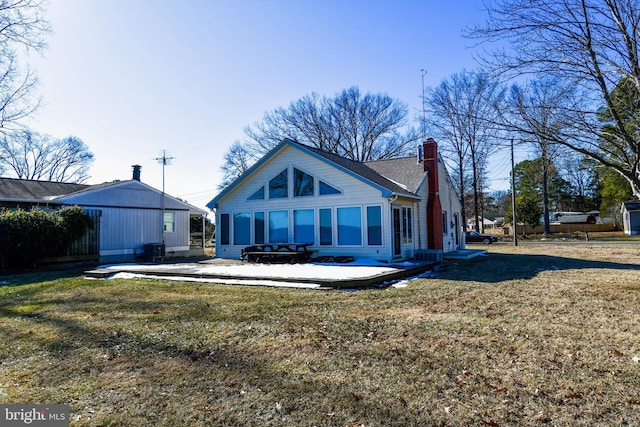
131, 219
631, 217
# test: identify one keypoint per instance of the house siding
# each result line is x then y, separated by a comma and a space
630, 220
451, 205
131, 217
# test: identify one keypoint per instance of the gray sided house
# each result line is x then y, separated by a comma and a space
388, 210
130, 215
631, 217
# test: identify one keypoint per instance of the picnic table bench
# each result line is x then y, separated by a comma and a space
273, 252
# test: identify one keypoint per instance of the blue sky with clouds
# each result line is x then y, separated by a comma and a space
134, 77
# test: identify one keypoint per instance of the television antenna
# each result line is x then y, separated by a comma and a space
165, 160
424, 108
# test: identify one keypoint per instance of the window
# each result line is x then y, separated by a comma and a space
241, 228
168, 222
326, 232
224, 229
407, 224
258, 195
349, 226
278, 186
278, 226
258, 226
326, 189
374, 225
444, 222
303, 226
302, 183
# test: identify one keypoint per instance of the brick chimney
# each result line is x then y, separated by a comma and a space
136, 172
434, 208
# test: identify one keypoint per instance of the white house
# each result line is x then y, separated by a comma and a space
386, 210
631, 217
131, 216
486, 223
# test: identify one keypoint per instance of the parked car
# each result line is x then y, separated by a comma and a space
475, 237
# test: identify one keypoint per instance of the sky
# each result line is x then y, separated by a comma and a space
138, 78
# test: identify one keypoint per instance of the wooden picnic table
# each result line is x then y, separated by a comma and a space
266, 252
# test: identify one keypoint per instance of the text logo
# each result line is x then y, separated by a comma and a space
34, 415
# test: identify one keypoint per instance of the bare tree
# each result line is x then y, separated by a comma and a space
362, 128
462, 115
29, 155
579, 172
236, 161
22, 25
591, 45
538, 113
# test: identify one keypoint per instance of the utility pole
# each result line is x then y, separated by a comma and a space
165, 161
513, 197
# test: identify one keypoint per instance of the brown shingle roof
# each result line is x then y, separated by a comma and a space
404, 170
33, 191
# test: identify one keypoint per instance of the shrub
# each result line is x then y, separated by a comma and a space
26, 236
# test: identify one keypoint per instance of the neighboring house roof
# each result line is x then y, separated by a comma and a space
632, 206
366, 172
49, 192
99, 196
484, 220
23, 190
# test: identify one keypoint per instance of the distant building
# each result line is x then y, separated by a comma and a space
631, 217
485, 223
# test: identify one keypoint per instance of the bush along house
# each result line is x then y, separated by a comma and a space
387, 210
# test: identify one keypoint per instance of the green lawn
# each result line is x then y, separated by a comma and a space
523, 336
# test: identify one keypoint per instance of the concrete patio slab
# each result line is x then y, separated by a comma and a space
358, 274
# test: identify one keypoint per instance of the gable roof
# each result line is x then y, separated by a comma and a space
60, 193
94, 196
31, 191
358, 170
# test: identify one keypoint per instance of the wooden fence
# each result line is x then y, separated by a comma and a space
555, 229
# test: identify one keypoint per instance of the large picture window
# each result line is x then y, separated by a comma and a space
223, 234
374, 225
349, 226
279, 186
303, 226
258, 227
241, 228
278, 226
326, 231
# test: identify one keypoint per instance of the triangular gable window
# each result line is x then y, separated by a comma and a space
279, 186
302, 183
326, 189
258, 195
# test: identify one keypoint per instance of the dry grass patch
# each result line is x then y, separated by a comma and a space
531, 335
